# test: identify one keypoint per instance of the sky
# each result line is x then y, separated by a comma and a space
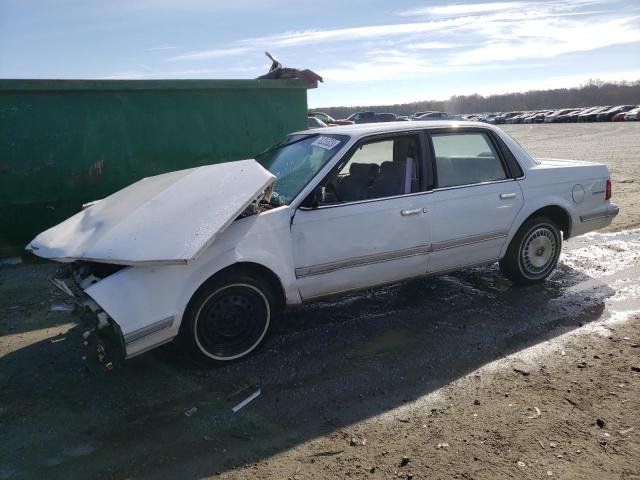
368, 52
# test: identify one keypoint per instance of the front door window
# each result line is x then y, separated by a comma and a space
377, 169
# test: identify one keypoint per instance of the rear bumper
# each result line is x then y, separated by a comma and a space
595, 220
610, 213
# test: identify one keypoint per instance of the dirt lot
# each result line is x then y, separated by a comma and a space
464, 375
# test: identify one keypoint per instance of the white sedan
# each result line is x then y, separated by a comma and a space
210, 254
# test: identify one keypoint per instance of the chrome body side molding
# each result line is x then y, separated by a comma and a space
311, 270
143, 332
461, 242
360, 261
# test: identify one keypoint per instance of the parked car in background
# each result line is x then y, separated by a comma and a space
389, 117
569, 117
537, 117
592, 115
362, 117
209, 255
518, 118
329, 120
632, 114
586, 111
608, 114
574, 117
438, 116
500, 119
373, 117
491, 118
552, 117
315, 122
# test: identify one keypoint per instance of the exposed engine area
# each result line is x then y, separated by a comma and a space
261, 204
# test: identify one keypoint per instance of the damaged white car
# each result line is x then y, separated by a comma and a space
210, 254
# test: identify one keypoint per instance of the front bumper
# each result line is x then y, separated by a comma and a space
102, 338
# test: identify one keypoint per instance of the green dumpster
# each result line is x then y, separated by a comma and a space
67, 142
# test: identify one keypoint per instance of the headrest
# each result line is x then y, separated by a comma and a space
403, 148
363, 169
392, 168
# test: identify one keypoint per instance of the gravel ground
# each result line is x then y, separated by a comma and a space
463, 374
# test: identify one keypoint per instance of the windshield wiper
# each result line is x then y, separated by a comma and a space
282, 145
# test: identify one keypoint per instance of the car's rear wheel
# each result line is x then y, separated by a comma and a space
227, 318
533, 252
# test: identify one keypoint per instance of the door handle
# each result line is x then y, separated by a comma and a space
504, 196
413, 211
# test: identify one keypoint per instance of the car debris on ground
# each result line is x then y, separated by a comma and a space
246, 401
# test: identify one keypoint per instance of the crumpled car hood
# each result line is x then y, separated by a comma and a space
166, 219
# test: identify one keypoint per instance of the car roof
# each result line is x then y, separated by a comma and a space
361, 129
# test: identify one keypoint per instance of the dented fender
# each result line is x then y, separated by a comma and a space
148, 302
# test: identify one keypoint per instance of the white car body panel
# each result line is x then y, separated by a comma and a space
374, 254
139, 297
477, 222
315, 252
145, 223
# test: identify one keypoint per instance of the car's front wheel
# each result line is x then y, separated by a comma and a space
533, 252
227, 318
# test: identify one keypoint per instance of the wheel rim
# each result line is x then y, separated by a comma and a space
232, 321
539, 251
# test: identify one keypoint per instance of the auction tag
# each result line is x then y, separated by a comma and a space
327, 143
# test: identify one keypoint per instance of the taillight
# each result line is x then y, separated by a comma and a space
607, 195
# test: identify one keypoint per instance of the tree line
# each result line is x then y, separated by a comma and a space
593, 93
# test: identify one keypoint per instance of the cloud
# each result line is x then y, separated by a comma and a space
211, 54
429, 46
460, 9
484, 36
305, 37
161, 47
546, 39
463, 25
486, 7
187, 73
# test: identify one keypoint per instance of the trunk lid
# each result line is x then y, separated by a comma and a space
165, 219
561, 162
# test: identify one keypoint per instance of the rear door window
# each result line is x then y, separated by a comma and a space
466, 158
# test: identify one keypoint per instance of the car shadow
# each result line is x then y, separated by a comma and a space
325, 367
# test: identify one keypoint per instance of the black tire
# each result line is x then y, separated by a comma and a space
533, 252
227, 318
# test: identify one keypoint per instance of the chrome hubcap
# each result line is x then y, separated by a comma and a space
539, 250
